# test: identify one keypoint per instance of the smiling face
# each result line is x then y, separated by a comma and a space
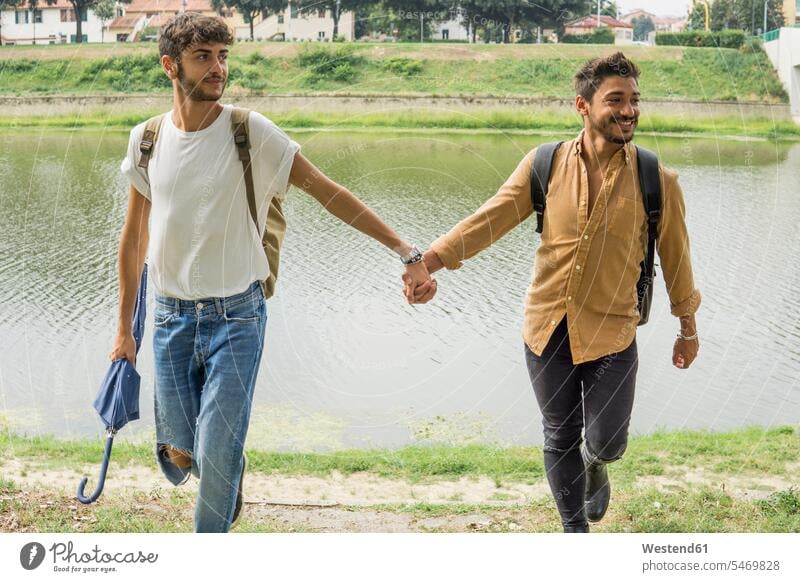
201, 72
613, 111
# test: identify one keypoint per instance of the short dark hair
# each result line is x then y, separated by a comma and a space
592, 74
191, 28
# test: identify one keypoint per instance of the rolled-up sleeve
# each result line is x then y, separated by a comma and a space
494, 219
673, 249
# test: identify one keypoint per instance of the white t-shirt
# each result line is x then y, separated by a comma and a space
203, 242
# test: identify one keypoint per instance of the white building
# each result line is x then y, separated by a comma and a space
48, 24
452, 29
293, 24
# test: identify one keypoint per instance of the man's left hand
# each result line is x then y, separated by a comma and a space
684, 352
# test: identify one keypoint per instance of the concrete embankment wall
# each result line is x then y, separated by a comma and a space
363, 104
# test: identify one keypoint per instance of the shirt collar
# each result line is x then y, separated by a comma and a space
577, 148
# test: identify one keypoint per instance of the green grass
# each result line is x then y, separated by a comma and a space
485, 121
633, 510
752, 450
638, 506
667, 73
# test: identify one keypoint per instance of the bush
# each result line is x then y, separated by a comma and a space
325, 64
403, 66
18, 66
256, 59
751, 45
599, 36
128, 73
723, 39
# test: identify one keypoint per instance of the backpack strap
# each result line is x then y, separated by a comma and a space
149, 138
241, 137
540, 179
650, 184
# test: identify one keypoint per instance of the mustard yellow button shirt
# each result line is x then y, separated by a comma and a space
586, 266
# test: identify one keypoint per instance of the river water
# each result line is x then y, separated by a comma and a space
348, 363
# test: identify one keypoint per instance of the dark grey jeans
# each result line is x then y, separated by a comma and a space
591, 401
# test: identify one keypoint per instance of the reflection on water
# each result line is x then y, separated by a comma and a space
347, 362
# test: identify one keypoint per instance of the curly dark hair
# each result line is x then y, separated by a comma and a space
191, 28
592, 74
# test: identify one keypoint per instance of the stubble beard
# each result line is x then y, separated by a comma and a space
606, 130
194, 90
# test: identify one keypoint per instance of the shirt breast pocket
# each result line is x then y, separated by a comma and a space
626, 220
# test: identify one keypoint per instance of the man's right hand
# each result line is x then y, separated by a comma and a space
124, 348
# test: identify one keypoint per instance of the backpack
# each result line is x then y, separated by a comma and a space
650, 185
276, 221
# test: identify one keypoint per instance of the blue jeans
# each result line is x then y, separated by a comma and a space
207, 354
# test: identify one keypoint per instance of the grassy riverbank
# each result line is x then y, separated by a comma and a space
422, 120
745, 481
673, 73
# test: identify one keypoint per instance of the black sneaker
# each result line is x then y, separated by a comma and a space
237, 511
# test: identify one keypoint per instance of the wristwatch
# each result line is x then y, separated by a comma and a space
413, 256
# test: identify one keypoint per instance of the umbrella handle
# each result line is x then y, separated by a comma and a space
103, 469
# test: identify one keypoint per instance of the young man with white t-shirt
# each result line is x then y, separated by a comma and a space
206, 262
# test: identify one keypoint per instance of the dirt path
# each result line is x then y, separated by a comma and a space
360, 502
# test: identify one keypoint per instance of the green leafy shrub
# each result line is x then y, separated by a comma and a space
324, 64
698, 38
599, 36
403, 67
256, 59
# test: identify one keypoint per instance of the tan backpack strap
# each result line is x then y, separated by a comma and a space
149, 137
241, 138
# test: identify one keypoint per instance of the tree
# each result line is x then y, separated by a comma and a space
749, 15
79, 7
506, 16
249, 9
745, 15
642, 26
412, 19
697, 17
608, 8
105, 11
336, 7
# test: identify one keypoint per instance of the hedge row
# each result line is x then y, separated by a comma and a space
722, 39
599, 36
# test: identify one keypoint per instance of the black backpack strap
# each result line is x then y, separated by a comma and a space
540, 178
650, 184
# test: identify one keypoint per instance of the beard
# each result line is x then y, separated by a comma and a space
609, 128
195, 91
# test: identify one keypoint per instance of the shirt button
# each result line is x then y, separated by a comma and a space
569, 298
553, 322
578, 267
585, 237
199, 306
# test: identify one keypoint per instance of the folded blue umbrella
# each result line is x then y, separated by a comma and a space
117, 401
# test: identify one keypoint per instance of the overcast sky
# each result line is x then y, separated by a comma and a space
658, 7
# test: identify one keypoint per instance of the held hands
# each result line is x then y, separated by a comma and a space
415, 290
418, 285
